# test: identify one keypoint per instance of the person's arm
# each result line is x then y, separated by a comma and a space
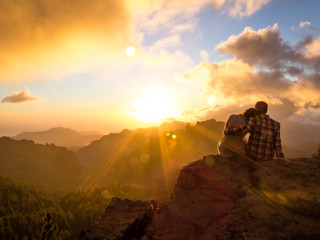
243, 129
277, 143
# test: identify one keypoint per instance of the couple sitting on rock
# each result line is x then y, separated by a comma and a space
264, 135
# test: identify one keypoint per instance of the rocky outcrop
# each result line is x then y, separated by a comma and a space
219, 198
123, 219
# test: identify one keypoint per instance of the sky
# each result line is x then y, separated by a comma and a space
106, 65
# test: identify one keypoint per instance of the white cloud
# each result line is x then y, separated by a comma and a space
303, 24
204, 55
307, 25
244, 8
165, 43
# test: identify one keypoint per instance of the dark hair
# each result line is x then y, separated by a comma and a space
262, 107
251, 112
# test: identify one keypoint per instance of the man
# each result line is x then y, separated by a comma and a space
264, 141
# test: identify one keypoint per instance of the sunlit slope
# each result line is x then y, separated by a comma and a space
46, 165
144, 156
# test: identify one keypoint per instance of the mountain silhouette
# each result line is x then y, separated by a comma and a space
37, 164
145, 156
60, 136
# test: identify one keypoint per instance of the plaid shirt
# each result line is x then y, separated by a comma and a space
264, 140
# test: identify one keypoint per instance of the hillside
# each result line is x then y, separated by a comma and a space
37, 164
59, 136
29, 213
147, 156
218, 198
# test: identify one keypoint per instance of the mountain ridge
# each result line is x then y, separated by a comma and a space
60, 136
38, 164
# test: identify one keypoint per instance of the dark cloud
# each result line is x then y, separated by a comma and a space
283, 109
20, 97
266, 48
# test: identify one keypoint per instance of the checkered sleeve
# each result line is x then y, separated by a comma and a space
243, 129
277, 142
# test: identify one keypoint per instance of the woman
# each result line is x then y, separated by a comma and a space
232, 145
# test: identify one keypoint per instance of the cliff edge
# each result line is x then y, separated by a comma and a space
220, 198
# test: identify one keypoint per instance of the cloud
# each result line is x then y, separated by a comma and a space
243, 8
263, 47
264, 67
57, 37
312, 48
307, 25
204, 55
165, 43
20, 97
54, 38
181, 15
266, 48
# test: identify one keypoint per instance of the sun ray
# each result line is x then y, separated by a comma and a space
95, 178
165, 160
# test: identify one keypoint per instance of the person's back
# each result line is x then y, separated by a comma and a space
230, 145
264, 141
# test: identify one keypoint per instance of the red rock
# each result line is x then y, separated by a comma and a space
230, 199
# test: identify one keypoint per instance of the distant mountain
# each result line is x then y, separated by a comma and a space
172, 126
144, 156
36, 164
294, 134
305, 149
65, 137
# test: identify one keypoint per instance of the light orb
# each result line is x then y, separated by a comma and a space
130, 51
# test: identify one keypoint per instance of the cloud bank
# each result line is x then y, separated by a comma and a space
180, 15
58, 37
265, 67
55, 38
20, 97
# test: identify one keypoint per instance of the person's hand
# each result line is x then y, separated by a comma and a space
283, 159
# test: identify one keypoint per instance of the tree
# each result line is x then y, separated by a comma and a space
50, 230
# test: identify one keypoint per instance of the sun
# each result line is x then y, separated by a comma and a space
130, 51
154, 107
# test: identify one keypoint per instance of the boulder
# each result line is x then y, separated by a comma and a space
123, 219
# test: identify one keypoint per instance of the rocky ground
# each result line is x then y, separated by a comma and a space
220, 198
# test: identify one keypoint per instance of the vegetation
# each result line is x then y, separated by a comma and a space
317, 154
28, 213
